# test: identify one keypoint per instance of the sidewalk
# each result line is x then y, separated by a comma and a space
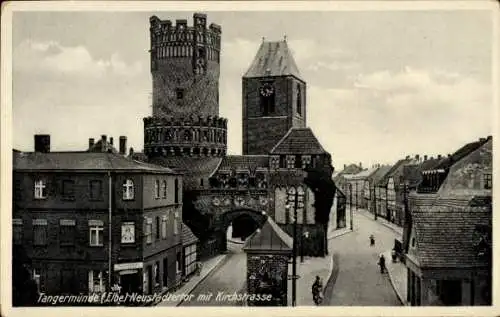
308, 270
398, 277
208, 266
397, 229
333, 233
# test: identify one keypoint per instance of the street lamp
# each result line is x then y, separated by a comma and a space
302, 236
350, 203
295, 200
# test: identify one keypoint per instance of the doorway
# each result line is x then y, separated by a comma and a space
130, 282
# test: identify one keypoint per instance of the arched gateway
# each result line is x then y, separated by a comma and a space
246, 220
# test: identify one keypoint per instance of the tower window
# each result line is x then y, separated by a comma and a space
299, 100
179, 93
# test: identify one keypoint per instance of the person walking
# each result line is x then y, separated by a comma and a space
372, 240
317, 291
381, 263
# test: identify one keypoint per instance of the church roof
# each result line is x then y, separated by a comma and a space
273, 59
269, 238
298, 141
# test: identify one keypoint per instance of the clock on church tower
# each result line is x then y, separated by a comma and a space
272, 87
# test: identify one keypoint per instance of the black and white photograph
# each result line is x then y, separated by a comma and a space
251, 154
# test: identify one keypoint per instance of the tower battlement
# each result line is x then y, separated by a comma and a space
181, 40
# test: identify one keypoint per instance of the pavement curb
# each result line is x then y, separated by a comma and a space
340, 234
217, 265
403, 302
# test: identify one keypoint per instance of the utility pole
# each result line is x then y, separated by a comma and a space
375, 201
295, 197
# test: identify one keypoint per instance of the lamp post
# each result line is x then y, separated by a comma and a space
302, 236
295, 201
375, 201
350, 204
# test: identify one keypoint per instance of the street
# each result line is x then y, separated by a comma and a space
228, 278
359, 281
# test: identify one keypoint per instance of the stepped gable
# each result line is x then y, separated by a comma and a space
273, 59
269, 238
445, 232
298, 141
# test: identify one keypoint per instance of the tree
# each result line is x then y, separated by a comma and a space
319, 180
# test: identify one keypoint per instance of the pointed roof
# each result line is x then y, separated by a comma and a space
269, 239
298, 141
273, 59
188, 236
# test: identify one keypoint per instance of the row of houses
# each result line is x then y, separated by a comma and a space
89, 220
444, 205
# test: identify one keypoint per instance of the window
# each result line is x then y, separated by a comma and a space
176, 222
164, 220
488, 181
157, 228
96, 281
128, 232
95, 189
413, 242
299, 100
67, 232
176, 191
40, 189
156, 272
96, 232
128, 190
178, 262
68, 189
157, 189
179, 93
149, 230
39, 232
17, 231
201, 182
164, 189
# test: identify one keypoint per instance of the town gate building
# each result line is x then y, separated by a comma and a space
185, 132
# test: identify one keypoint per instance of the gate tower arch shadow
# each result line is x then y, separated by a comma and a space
259, 217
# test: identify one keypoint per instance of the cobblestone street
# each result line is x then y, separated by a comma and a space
359, 281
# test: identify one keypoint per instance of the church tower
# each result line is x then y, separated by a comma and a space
274, 98
185, 67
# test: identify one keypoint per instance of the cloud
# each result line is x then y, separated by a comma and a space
382, 111
52, 58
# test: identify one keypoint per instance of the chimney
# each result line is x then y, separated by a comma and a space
449, 155
104, 138
111, 140
407, 157
131, 151
439, 156
417, 157
425, 157
482, 139
42, 143
91, 142
123, 145
360, 165
345, 166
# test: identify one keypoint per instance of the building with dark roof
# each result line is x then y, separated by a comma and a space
448, 240
370, 187
80, 215
186, 133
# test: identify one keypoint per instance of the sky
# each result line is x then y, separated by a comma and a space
380, 84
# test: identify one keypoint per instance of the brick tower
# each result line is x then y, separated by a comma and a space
274, 98
185, 66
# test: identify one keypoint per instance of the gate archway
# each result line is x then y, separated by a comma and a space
251, 219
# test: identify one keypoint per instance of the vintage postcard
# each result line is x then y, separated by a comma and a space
306, 158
